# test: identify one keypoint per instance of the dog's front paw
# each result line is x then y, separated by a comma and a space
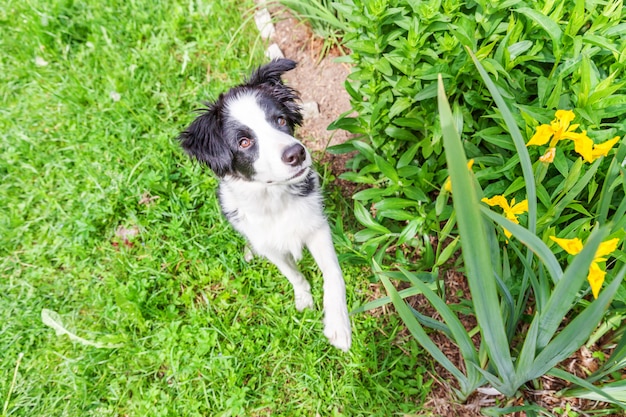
248, 254
304, 300
337, 330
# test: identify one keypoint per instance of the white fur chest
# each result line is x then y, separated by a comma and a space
272, 217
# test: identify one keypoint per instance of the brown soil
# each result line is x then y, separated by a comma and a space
317, 78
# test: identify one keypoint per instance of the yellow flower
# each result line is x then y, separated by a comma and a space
561, 129
556, 131
603, 148
596, 274
448, 184
571, 246
510, 210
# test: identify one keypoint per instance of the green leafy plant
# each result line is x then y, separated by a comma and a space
507, 363
545, 55
537, 61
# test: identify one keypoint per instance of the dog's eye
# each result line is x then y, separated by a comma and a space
245, 143
281, 121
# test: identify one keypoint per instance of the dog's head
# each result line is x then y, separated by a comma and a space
248, 132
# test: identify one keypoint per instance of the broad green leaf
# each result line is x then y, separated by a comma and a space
519, 48
364, 149
351, 124
602, 90
600, 41
399, 106
386, 168
356, 177
410, 230
367, 235
415, 193
399, 133
408, 156
555, 95
365, 218
548, 25
427, 92
475, 248
371, 194
396, 214
383, 66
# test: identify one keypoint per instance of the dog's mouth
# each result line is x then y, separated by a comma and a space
299, 173
295, 178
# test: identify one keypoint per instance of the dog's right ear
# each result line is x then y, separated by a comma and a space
203, 141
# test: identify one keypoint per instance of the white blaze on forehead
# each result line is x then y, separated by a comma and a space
246, 110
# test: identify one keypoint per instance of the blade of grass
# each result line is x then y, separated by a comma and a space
475, 249
408, 292
507, 301
522, 153
431, 323
529, 349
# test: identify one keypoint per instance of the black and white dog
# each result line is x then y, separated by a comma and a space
268, 189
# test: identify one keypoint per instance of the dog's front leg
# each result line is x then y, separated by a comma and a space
336, 320
301, 287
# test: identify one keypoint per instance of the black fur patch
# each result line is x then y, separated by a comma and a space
307, 186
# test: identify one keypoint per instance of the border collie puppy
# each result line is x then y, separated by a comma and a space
268, 189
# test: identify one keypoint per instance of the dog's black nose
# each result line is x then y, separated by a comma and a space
294, 155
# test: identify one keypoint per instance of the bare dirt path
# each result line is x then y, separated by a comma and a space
318, 79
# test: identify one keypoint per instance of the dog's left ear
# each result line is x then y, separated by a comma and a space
271, 73
268, 76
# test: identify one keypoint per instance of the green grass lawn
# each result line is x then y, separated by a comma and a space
93, 95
